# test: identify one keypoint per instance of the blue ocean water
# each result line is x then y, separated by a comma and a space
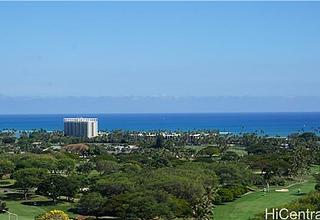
263, 123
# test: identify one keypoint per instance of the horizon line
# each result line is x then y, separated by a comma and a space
155, 113
159, 96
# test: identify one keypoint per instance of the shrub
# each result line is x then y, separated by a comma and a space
53, 215
238, 191
226, 195
278, 181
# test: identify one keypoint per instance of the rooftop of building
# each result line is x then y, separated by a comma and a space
80, 119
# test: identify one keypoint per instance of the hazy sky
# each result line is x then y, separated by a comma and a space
160, 48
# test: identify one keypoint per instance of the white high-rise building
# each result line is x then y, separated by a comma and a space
81, 127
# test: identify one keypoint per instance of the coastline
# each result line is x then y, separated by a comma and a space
271, 124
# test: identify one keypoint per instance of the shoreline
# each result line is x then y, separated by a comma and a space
271, 124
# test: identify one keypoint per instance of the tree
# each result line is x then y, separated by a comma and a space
29, 178
106, 166
43, 161
91, 204
232, 173
309, 136
144, 205
85, 168
300, 161
65, 165
225, 195
203, 210
230, 156
159, 141
182, 188
53, 187
209, 151
8, 140
113, 185
71, 186
317, 178
6, 167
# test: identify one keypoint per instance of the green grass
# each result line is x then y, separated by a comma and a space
6, 182
26, 212
238, 150
256, 202
195, 147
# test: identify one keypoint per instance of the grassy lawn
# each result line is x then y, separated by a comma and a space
6, 182
256, 202
195, 147
238, 150
28, 212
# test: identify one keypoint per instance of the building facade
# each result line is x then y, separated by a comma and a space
81, 127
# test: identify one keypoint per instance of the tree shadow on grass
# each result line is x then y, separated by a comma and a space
73, 210
5, 183
14, 196
39, 203
299, 194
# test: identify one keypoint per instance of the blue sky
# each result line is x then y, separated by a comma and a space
181, 49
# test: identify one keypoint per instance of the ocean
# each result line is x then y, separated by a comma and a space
280, 124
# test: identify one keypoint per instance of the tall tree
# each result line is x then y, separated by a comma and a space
29, 178
91, 204
52, 187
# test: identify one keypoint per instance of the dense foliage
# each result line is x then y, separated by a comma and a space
134, 175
